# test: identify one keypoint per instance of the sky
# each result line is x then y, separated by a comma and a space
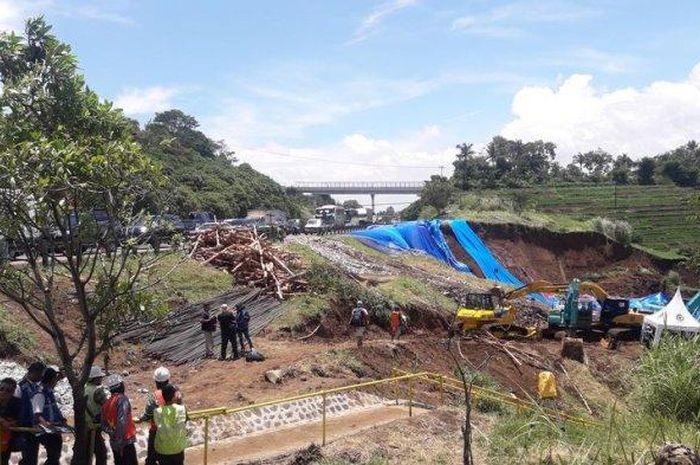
360, 90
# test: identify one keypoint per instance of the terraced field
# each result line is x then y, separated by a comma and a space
662, 216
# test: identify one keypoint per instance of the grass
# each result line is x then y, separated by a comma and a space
406, 290
346, 359
189, 279
14, 337
661, 216
360, 247
301, 310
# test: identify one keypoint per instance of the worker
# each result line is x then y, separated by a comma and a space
10, 407
208, 323
228, 326
161, 376
28, 386
47, 416
118, 423
171, 429
395, 322
359, 320
242, 323
93, 409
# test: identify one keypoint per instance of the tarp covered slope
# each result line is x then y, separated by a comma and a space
417, 235
650, 303
694, 305
475, 247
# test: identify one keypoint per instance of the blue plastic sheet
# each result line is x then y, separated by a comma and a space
649, 304
475, 247
417, 235
694, 306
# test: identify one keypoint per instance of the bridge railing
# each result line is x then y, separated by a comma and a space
360, 184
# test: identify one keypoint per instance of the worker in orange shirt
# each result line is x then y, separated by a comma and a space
395, 319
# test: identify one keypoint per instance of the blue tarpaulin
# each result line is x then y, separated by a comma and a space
417, 235
475, 247
694, 306
649, 304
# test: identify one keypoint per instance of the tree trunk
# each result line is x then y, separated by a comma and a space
80, 446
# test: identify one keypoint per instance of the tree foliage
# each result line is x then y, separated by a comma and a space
437, 193
63, 154
203, 173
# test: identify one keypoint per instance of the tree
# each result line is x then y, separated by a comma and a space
595, 163
352, 203
645, 171
437, 192
63, 154
622, 170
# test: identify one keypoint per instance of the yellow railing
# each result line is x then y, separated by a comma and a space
398, 377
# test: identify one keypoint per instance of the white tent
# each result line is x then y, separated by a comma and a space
674, 317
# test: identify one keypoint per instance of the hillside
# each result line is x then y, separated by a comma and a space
203, 174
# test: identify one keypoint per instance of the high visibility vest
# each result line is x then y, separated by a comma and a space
171, 432
160, 401
109, 415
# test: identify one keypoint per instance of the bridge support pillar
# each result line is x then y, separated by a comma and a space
371, 195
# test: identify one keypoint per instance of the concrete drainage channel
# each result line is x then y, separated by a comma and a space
256, 421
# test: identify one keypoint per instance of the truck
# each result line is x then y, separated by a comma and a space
195, 219
326, 218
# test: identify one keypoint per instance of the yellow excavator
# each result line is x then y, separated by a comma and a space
496, 311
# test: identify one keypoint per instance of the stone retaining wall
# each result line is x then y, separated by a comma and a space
253, 421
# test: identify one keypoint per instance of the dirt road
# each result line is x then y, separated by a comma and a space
282, 441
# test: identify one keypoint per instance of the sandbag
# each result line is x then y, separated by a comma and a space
547, 385
254, 356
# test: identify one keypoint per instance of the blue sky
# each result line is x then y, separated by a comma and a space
393, 84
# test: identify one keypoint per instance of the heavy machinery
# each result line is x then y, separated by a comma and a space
495, 312
614, 322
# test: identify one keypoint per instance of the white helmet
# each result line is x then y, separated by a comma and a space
96, 372
113, 381
161, 375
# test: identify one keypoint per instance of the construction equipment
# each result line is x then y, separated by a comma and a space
615, 319
495, 312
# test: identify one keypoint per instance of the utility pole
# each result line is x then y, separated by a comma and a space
441, 167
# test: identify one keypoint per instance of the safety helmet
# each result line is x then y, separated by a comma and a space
113, 381
96, 372
161, 375
359, 302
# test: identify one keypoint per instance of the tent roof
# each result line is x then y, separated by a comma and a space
674, 316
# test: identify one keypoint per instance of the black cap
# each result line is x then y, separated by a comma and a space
239, 306
49, 375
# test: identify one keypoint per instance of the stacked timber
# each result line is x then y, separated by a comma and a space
178, 338
249, 257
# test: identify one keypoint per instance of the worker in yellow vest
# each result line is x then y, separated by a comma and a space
171, 429
93, 410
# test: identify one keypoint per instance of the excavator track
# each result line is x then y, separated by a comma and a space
511, 331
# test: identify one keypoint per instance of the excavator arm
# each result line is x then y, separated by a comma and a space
587, 287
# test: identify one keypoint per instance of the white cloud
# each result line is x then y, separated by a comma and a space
591, 58
13, 13
371, 22
135, 101
577, 116
507, 21
98, 13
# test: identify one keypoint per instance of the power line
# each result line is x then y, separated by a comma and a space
336, 162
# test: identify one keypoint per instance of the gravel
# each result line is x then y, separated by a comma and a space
64, 394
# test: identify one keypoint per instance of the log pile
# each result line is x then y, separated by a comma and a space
178, 337
249, 257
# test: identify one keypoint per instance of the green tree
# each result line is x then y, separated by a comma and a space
645, 171
437, 192
595, 163
64, 153
622, 170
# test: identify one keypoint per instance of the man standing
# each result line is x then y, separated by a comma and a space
227, 324
359, 320
395, 323
9, 416
47, 416
156, 399
28, 386
208, 323
117, 422
242, 323
93, 410
171, 429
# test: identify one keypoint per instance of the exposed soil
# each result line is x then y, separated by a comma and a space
533, 254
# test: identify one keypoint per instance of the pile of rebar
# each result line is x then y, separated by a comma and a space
249, 257
178, 337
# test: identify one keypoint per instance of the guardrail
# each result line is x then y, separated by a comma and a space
398, 376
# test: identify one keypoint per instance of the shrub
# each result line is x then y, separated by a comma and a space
620, 231
667, 378
427, 213
672, 281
